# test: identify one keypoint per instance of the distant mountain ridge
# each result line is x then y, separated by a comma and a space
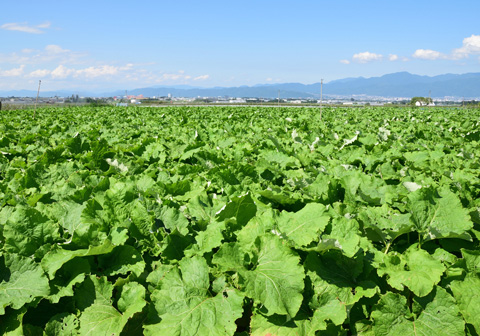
400, 84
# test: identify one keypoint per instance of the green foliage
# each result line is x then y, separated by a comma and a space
239, 221
421, 100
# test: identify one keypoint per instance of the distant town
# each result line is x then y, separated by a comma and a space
353, 100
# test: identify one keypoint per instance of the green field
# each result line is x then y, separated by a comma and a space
240, 221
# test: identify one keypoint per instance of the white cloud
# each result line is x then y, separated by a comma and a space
104, 70
344, 61
40, 73
61, 72
428, 54
25, 28
202, 77
471, 46
44, 25
392, 57
16, 72
367, 56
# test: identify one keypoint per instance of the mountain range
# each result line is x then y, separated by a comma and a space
400, 84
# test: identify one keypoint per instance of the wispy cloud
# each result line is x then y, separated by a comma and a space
51, 53
344, 61
365, 57
202, 77
25, 28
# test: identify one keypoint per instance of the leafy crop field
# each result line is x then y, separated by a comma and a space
240, 221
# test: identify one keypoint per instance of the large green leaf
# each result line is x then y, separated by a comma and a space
122, 260
27, 230
283, 325
466, 292
173, 219
415, 269
439, 315
344, 235
186, 307
21, 281
70, 274
304, 226
384, 223
438, 214
102, 318
337, 284
63, 324
53, 260
276, 280
241, 208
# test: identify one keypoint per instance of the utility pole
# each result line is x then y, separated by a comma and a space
429, 98
278, 99
36, 101
321, 97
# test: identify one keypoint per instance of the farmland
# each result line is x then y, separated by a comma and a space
240, 221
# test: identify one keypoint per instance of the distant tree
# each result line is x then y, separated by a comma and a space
422, 100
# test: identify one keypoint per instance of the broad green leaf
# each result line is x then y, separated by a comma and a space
439, 214
276, 280
70, 274
415, 269
241, 208
262, 223
281, 196
337, 284
230, 257
187, 308
304, 226
472, 260
53, 260
439, 316
21, 281
63, 324
203, 209
282, 159
283, 325
207, 240
122, 260
173, 219
344, 235
384, 223
27, 230
467, 295
391, 316
102, 318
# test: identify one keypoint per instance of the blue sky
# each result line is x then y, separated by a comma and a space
104, 45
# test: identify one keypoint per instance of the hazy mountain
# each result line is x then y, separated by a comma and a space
400, 84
